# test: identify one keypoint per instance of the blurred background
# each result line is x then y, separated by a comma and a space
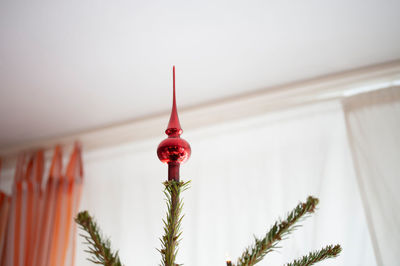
278, 100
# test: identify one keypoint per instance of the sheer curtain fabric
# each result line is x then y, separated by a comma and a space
373, 122
245, 175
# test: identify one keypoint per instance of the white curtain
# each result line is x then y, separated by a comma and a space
373, 122
245, 174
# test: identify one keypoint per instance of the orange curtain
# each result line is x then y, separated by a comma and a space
41, 229
5, 201
4, 207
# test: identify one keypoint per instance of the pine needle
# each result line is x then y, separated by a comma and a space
278, 231
172, 223
317, 256
99, 248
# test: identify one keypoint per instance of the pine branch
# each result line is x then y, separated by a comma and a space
99, 249
278, 231
172, 223
317, 256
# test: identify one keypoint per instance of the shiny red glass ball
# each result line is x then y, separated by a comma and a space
174, 150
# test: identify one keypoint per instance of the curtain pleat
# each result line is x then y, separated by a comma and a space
373, 125
41, 218
4, 210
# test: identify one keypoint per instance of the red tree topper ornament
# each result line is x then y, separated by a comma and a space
174, 150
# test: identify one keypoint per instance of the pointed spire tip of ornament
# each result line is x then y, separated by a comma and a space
174, 124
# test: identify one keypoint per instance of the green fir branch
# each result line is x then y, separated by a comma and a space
172, 223
317, 256
278, 231
99, 248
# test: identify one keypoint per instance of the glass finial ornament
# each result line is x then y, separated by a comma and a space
173, 150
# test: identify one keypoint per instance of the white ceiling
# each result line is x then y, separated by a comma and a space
75, 65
